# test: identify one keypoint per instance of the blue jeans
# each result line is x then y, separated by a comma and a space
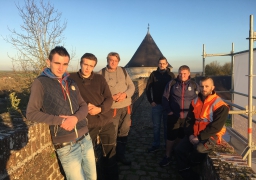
158, 115
78, 160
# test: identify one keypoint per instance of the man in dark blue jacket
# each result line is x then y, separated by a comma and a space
177, 97
155, 86
56, 100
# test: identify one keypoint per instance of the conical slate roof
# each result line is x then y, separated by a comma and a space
147, 54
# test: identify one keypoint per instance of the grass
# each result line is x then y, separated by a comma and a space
13, 82
228, 123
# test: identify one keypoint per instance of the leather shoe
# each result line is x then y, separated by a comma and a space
124, 161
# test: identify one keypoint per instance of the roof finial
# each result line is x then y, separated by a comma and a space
148, 27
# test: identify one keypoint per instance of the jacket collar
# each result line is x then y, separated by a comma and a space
178, 79
81, 75
48, 73
167, 69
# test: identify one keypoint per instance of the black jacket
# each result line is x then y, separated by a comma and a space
156, 84
48, 101
95, 90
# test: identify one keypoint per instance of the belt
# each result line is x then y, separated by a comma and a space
61, 145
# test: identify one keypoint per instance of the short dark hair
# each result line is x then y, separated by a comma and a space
114, 54
60, 50
89, 56
207, 78
184, 67
162, 58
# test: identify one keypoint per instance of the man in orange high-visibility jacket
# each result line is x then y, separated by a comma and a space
204, 124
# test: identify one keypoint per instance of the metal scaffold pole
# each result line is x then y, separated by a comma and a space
203, 61
250, 91
249, 110
232, 81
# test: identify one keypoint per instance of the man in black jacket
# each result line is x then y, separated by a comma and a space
155, 86
96, 93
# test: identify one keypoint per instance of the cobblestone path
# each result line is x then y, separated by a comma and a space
144, 165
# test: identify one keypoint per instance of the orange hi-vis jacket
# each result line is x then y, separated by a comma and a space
203, 112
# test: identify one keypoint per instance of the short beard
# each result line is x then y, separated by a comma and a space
205, 95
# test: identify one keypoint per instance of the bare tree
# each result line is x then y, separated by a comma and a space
226, 68
41, 31
215, 69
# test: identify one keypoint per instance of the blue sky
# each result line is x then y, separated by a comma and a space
179, 28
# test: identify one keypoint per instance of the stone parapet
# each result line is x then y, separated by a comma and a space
26, 152
225, 164
140, 85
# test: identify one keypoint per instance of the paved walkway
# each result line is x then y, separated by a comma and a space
144, 165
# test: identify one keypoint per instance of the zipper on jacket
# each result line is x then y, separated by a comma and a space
182, 99
70, 104
200, 116
69, 100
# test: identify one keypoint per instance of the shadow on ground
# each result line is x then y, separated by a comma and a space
144, 165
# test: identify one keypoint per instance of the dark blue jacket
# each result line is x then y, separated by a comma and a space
156, 84
178, 95
49, 99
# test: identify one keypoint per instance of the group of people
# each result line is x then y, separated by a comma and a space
83, 109
193, 116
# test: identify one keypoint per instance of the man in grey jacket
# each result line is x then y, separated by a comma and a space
122, 89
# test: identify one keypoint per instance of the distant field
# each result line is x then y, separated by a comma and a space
12, 81
6, 73
10, 74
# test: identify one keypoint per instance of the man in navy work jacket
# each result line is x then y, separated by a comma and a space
177, 97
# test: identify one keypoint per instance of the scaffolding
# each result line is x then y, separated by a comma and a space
248, 110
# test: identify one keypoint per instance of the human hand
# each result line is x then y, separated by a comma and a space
170, 113
193, 139
115, 96
93, 110
153, 104
69, 123
121, 97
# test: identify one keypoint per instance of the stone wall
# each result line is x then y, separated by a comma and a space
140, 85
26, 150
224, 163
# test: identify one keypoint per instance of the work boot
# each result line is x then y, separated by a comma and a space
110, 168
165, 161
120, 150
153, 149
